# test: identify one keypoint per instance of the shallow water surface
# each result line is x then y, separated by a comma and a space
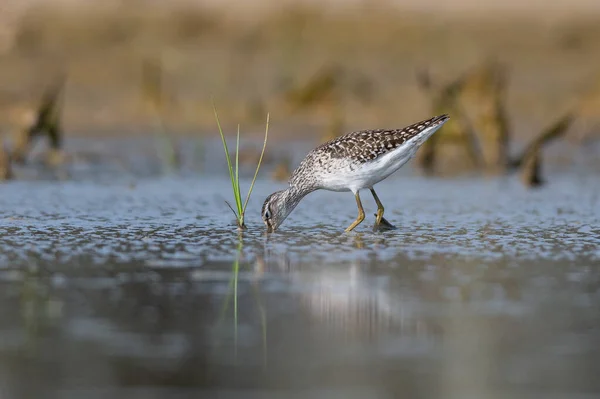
141, 287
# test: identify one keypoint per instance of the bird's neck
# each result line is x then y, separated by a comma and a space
294, 194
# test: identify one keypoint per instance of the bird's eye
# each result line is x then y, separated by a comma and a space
267, 214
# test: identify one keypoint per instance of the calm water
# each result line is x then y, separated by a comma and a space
123, 284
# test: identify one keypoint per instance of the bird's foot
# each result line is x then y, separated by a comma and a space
383, 225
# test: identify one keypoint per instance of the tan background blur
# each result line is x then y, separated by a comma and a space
254, 56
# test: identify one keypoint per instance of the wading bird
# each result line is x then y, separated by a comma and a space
352, 162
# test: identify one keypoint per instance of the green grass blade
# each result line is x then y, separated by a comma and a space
224, 144
231, 176
238, 192
236, 271
257, 166
230, 207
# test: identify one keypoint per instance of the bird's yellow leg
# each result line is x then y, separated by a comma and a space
361, 214
379, 208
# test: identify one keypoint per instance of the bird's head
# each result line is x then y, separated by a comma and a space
277, 207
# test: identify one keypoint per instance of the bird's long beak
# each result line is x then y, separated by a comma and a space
269, 228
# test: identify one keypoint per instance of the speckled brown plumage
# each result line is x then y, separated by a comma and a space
366, 145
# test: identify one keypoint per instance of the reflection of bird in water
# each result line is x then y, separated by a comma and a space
349, 306
276, 263
352, 162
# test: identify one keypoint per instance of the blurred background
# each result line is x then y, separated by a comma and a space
319, 68
122, 273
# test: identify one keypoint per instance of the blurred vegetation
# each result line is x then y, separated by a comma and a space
363, 59
479, 134
153, 69
46, 122
5, 163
